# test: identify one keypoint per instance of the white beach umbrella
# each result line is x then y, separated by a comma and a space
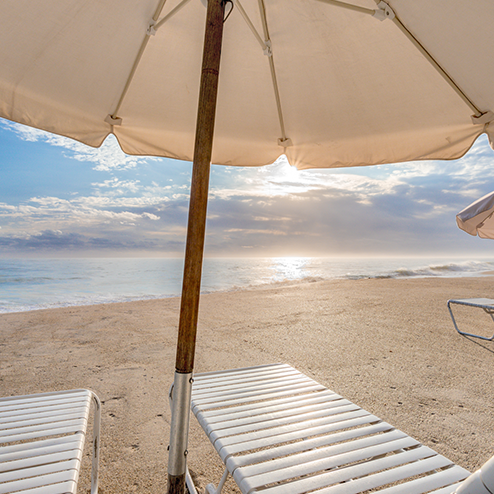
477, 218
328, 83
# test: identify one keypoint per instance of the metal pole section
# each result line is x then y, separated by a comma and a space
195, 247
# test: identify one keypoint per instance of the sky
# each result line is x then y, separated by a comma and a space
60, 198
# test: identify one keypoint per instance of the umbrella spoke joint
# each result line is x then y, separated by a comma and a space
483, 119
151, 30
285, 142
268, 51
384, 11
113, 120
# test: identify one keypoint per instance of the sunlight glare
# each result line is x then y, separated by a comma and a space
281, 179
282, 170
289, 268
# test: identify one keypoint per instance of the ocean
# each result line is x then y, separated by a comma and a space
31, 284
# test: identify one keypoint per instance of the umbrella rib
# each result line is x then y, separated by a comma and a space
438, 67
266, 46
383, 12
151, 31
114, 116
179, 7
411, 37
283, 141
349, 6
251, 26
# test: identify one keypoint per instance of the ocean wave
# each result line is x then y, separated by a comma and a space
7, 307
31, 285
451, 269
31, 279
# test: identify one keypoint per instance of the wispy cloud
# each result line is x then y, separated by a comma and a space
42, 213
57, 241
119, 185
108, 157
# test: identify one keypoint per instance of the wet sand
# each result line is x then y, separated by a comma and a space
388, 345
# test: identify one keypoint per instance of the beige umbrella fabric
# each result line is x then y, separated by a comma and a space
477, 218
327, 85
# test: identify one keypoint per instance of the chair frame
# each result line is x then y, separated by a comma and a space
277, 431
483, 303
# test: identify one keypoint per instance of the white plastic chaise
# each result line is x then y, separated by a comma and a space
280, 432
42, 441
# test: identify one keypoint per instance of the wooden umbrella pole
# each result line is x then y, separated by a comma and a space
195, 247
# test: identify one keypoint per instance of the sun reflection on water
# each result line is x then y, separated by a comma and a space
289, 268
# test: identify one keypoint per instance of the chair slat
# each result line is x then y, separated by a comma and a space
307, 466
367, 446
285, 415
268, 406
448, 478
32, 461
38, 470
32, 432
68, 476
373, 431
243, 379
363, 477
43, 446
273, 423
297, 434
30, 420
45, 411
302, 427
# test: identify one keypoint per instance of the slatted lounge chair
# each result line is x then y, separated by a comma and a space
486, 304
42, 441
278, 431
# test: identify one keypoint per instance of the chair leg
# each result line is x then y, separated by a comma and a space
488, 311
217, 490
189, 482
491, 313
96, 444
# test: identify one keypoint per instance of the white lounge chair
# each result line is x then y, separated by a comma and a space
486, 304
278, 431
42, 441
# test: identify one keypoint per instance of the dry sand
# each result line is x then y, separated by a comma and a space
388, 345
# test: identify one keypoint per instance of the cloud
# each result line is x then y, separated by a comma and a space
408, 209
93, 212
57, 240
119, 185
274, 210
108, 157
150, 216
283, 180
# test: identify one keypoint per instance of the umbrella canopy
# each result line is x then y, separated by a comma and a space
477, 218
326, 84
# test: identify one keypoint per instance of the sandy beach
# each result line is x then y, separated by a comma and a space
388, 345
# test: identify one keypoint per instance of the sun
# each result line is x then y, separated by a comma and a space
282, 170
289, 172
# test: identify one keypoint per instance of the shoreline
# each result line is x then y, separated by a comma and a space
37, 284
260, 286
388, 345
